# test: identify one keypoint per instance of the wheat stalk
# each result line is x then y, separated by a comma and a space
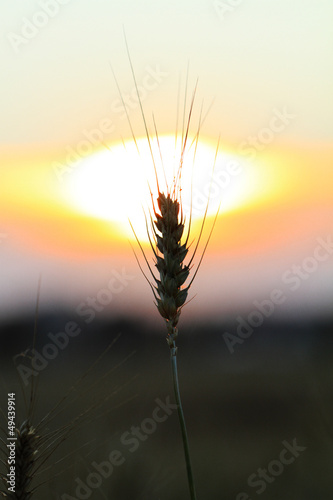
170, 293
27, 440
170, 288
35, 443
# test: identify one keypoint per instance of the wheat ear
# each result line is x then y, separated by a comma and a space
171, 296
26, 451
27, 440
169, 288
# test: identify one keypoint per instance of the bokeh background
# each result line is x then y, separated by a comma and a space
255, 348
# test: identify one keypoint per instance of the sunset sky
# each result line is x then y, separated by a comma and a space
71, 176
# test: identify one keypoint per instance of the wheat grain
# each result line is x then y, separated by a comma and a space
26, 454
171, 287
171, 295
35, 443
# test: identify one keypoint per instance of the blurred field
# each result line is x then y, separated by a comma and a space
239, 407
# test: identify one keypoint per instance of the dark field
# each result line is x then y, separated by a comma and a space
243, 410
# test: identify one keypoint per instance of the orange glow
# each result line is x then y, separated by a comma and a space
281, 197
113, 185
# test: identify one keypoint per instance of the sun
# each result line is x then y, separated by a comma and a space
115, 184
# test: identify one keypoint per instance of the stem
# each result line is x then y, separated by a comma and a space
173, 351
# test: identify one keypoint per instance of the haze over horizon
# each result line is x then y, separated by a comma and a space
264, 79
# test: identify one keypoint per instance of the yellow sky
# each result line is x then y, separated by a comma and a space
292, 199
265, 78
